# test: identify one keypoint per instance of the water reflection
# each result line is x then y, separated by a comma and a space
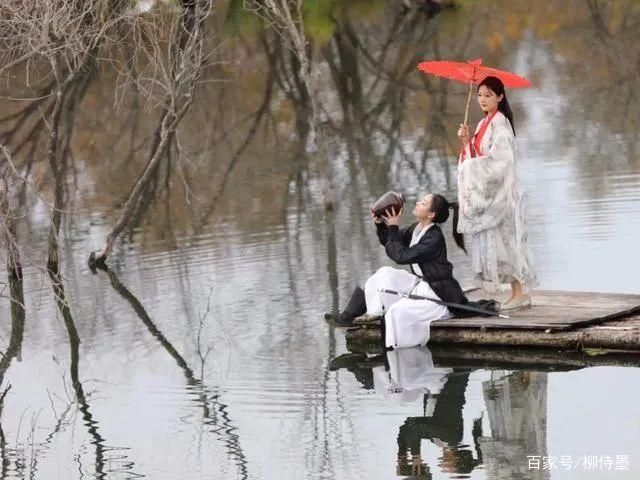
515, 409
214, 411
16, 295
240, 212
411, 373
102, 465
516, 404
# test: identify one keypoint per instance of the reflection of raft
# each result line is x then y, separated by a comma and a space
500, 358
570, 320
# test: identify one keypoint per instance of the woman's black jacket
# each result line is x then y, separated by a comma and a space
430, 253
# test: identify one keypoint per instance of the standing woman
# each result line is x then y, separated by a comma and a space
491, 206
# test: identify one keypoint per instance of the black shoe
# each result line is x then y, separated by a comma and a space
356, 306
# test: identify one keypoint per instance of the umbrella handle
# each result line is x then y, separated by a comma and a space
466, 112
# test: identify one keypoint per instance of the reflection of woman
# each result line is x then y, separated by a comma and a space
421, 246
491, 209
517, 410
444, 427
407, 375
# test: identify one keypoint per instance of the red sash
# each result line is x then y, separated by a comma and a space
477, 138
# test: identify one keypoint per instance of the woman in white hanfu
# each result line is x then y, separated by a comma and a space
423, 249
491, 203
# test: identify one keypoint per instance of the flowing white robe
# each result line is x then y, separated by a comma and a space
492, 210
407, 321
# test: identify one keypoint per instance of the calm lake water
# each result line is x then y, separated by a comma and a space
202, 353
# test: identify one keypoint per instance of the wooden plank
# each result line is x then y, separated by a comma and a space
571, 299
606, 317
535, 318
552, 311
578, 339
493, 323
558, 314
557, 310
524, 322
618, 326
483, 322
631, 321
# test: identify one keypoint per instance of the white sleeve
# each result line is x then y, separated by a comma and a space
483, 182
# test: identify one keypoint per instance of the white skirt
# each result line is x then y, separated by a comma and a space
501, 255
407, 321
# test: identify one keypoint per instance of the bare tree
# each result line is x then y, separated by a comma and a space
285, 17
57, 46
57, 43
177, 77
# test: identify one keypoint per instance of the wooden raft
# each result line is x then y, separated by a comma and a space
570, 320
553, 311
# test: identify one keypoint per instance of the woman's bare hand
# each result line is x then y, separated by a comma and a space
391, 217
463, 134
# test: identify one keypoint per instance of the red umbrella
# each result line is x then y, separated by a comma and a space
472, 72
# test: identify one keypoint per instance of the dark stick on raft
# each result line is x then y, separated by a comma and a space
460, 306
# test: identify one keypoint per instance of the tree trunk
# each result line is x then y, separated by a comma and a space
14, 265
130, 207
186, 62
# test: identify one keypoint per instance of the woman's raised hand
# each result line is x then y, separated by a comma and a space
463, 134
376, 219
391, 217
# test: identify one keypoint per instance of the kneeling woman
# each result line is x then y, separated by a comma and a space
421, 246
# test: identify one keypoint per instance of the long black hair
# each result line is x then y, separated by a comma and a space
441, 206
496, 86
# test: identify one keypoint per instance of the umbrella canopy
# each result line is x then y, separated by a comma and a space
472, 73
